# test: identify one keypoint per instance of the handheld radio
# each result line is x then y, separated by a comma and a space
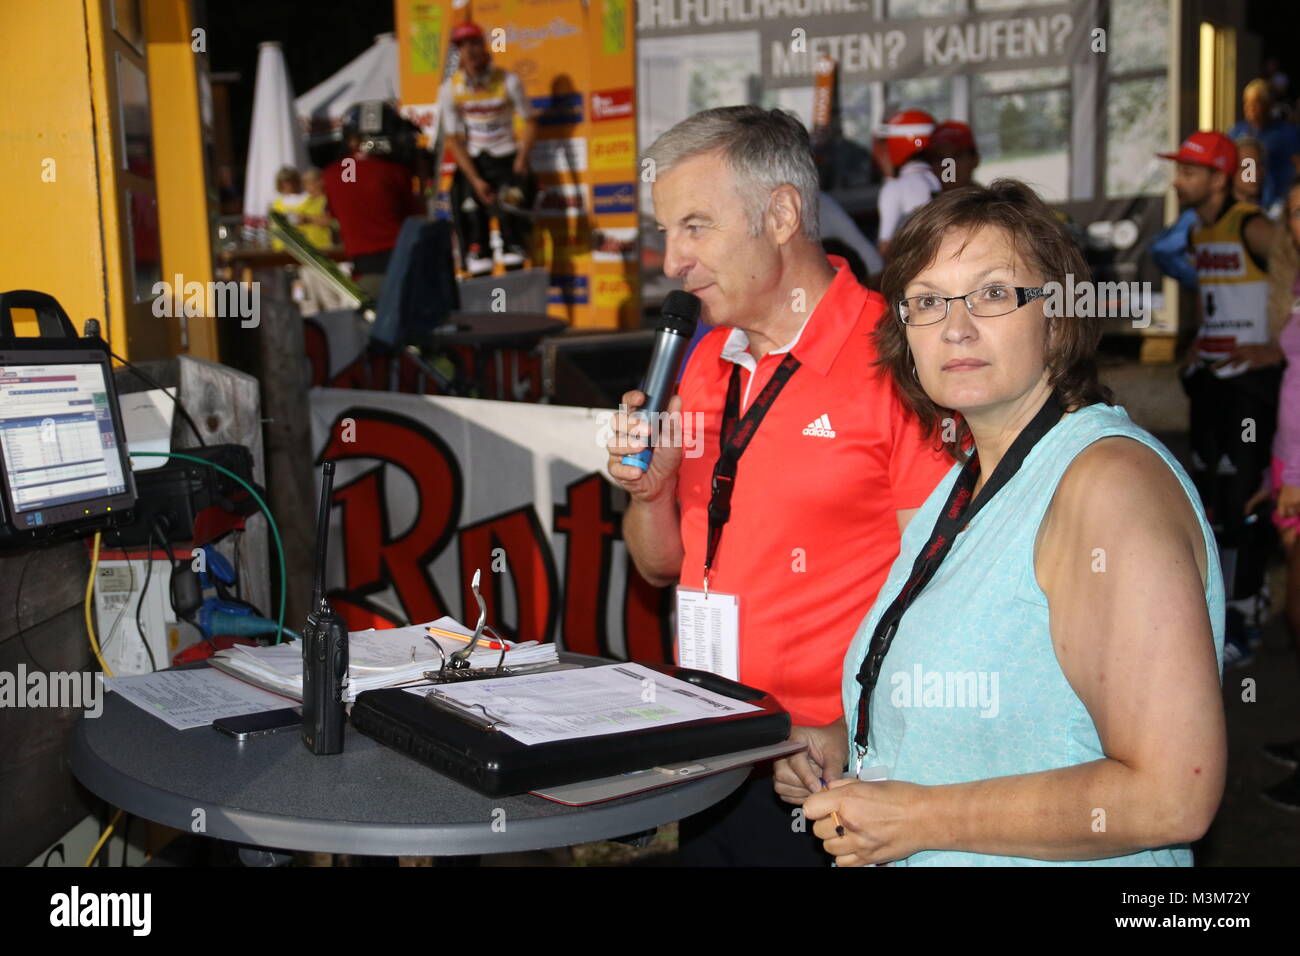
324, 649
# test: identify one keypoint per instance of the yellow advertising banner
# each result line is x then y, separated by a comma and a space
575, 60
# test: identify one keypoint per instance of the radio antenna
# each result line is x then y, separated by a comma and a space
322, 535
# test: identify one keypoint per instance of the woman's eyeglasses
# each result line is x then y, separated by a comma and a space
987, 302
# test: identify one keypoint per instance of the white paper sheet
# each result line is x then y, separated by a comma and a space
588, 702
193, 698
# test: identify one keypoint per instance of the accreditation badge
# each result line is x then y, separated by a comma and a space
708, 631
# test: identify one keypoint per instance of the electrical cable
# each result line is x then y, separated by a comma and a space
153, 383
103, 838
90, 590
275, 529
139, 625
171, 557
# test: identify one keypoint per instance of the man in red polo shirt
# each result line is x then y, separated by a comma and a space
832, 469
369, 194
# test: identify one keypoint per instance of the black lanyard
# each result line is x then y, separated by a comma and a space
737, 433
958, 511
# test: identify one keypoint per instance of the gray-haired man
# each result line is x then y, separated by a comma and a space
833, 465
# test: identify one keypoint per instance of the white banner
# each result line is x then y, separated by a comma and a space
430, 489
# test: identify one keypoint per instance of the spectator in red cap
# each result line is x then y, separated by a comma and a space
907, 138
479, 102
953, 155
1231, 375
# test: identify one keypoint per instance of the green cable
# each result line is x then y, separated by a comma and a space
275, 531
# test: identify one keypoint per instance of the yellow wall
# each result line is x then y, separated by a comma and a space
50, 239
182, 185
61, 185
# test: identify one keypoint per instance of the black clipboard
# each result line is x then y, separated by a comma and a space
465, 748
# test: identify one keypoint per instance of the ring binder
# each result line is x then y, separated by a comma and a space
487, 722
474, 750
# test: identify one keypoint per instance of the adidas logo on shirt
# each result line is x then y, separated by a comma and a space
820, 428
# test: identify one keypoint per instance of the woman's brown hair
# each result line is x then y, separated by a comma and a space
1038, 239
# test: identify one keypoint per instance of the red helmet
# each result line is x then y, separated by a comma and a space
906, 134
954, 135
466, 31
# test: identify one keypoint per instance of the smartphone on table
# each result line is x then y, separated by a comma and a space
259, 725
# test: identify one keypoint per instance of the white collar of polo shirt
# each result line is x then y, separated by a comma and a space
736, 351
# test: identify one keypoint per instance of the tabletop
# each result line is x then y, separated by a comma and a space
370, 800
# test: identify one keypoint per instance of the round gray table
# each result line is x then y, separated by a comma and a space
270, 792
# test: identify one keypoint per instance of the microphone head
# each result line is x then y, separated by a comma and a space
680, 312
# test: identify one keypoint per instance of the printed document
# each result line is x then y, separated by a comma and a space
587, 702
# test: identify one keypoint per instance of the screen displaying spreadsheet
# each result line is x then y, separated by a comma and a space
57, 435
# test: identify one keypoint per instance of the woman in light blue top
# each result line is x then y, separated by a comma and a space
1050, 692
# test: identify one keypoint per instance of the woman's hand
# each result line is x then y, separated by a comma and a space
1288, 501
879, 820
798, 775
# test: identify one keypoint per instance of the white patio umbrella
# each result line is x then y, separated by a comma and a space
275, 138
371, 76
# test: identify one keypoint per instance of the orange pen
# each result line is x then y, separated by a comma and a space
839, 827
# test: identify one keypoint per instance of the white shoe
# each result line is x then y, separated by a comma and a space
478, 265
512, 259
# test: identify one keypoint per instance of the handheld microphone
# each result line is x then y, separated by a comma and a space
324, 649
676, 326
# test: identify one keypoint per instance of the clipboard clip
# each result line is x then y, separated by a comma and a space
465, 712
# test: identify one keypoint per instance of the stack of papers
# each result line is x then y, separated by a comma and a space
376, 658
193, 698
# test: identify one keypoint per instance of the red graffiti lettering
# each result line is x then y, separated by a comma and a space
375, 559
588, 522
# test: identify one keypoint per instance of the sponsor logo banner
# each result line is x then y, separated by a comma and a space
613, 152
612, 290
613, 197
611, 104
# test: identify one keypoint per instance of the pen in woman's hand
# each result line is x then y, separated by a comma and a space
839, 827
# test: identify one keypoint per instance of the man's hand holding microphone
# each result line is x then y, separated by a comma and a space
632, 435
647, 471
